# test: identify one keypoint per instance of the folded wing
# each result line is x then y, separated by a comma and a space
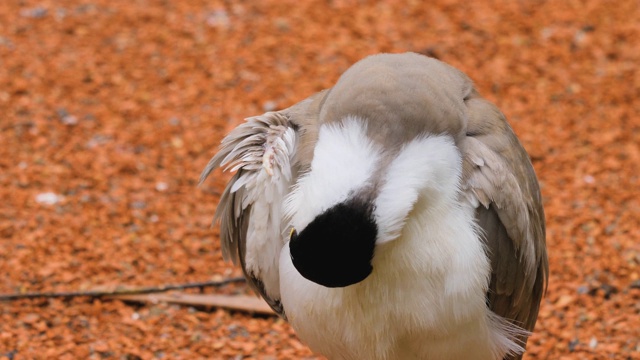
267, 153
500, 181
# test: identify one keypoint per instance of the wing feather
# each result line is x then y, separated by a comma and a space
267, 153
499, 179
250, 208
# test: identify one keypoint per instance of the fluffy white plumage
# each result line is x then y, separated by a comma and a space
429, 166
433, 259
415, 206
344, 160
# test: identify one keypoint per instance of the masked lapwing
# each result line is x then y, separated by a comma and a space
392, 216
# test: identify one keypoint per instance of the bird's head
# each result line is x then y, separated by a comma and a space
385, 140
358, 195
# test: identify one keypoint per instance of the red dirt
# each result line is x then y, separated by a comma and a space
114, 107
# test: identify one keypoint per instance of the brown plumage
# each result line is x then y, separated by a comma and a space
401, 97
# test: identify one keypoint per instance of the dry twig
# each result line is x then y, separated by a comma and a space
250, 304
120, 291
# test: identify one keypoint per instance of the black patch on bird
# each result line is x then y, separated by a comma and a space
336, 248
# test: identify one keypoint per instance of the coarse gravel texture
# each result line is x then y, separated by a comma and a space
110, 109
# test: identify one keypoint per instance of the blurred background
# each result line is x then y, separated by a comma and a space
109, 110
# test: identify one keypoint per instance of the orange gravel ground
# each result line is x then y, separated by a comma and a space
110, 109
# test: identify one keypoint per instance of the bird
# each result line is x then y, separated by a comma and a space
395, 215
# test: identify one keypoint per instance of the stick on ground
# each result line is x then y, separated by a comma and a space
120, 291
